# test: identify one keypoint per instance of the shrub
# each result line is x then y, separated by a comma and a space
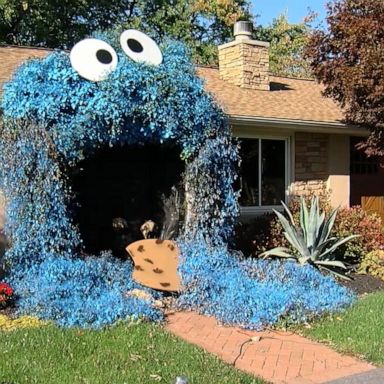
310, 239
373, 264
9, 324
6, 295
368, 226
268, 232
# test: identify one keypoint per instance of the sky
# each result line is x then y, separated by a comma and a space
296, 9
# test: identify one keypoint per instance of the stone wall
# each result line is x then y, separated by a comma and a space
309, 188
245, 63
311, 164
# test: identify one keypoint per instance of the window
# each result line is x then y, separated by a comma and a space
361, 164
263, 172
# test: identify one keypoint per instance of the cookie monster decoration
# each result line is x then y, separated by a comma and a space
127, 90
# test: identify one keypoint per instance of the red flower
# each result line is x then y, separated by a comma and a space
6, 289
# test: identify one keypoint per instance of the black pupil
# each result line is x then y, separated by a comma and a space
134, 45
104, 56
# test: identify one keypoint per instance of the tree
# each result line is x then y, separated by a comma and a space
348, 59
201, 24
56, 23
287, 43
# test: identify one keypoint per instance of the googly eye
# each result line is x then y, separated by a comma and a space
93, 59
140, 47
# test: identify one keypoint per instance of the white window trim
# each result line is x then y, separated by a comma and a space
288, 140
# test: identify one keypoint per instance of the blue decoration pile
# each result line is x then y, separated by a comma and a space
52, 119
87, 293
254, 293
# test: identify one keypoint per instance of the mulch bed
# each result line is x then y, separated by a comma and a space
363, 284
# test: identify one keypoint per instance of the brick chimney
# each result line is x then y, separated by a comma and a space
245, 62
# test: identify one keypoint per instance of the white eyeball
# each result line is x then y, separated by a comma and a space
140, 47
93, 59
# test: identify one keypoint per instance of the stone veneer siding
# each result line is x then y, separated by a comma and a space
245, 63
311, 164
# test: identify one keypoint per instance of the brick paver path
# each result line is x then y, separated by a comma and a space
278, 357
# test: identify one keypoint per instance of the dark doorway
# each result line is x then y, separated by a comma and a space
126, 182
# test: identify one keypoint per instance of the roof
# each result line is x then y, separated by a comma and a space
288, 99
11, 57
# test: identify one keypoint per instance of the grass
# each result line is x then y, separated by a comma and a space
136, 353
358, 331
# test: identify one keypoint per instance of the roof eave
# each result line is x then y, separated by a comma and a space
298, 125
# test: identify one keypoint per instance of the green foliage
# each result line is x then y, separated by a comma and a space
287, 43
347, 58
359, 330
54, 23
266, 232
311, 240
355, 220
373, 264
127, 353
200, 24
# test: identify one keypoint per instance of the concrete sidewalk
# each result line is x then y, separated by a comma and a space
278, 357
371, 377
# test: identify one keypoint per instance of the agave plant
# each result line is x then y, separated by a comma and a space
311, 240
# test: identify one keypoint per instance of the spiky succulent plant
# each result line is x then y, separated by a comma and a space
311, 239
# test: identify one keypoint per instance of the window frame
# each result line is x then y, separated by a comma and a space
260, 209
359, 163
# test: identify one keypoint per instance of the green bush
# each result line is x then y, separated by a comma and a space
348, 221
265, 232
310, 237
373, 264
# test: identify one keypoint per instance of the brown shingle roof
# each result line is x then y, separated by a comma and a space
11, 57
288, 99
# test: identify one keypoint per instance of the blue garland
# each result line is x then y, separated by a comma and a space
255, 293
53, 119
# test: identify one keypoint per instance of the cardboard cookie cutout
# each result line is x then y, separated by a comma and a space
156, 263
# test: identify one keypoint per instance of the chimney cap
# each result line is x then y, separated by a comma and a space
242, 30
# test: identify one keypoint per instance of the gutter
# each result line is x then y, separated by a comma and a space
297, 125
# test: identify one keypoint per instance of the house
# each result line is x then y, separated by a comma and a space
293, 140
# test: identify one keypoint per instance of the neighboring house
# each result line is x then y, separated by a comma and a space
293, 140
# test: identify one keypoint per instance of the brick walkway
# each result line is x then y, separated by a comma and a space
278, 357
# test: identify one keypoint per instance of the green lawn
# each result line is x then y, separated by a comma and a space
132, 354
358, 331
